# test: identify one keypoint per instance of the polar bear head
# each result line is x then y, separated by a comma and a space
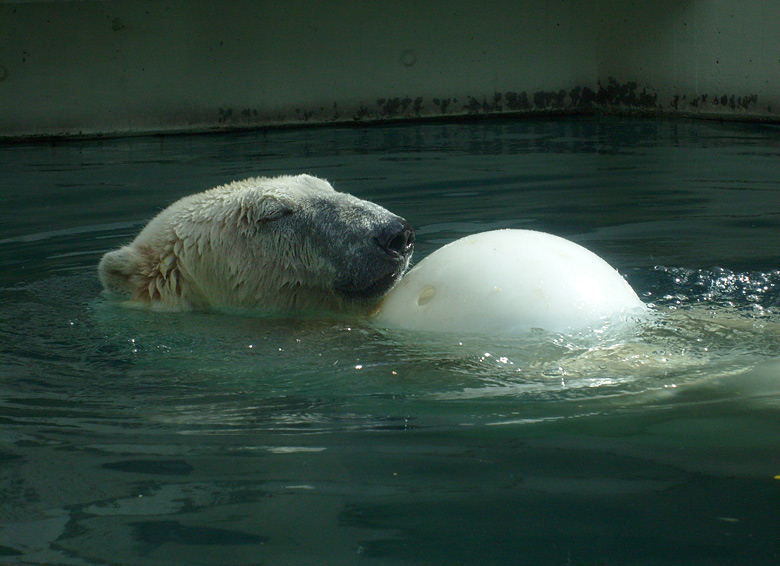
281, 243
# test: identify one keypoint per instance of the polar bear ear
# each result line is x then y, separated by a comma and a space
117, 270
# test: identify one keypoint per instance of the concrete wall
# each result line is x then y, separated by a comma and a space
703, 57
89, 67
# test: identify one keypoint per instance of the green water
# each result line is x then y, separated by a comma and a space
129, 437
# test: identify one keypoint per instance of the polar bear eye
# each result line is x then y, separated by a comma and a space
271, 209
255, 212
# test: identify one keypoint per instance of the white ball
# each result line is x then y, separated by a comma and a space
508, 281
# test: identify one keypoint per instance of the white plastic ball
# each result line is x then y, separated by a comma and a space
509, 281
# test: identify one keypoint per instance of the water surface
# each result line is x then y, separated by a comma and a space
130, 437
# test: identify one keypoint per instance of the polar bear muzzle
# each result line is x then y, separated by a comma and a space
365, 246
375, 268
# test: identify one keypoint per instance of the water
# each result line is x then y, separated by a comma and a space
130, 437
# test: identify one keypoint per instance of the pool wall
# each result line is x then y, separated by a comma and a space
100, 68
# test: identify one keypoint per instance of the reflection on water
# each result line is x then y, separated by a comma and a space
131, 437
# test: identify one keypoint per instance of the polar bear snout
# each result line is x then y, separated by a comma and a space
396, 238
370, 270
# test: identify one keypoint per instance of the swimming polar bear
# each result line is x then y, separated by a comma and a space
282, 243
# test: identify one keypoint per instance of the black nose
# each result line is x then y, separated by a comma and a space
396, 238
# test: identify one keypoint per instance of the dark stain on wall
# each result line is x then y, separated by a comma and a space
583, 98
443, 104
551, 100
707, 102
516, 102
400, 107
611, 97
627, 95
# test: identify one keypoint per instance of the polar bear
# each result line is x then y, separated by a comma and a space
270, 244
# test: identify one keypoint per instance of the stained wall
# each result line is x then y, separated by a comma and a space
108, 67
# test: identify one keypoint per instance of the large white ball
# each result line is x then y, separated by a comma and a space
508, 281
